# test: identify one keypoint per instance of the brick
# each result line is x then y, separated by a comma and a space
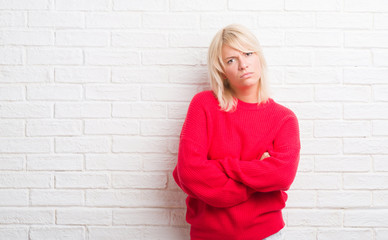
11, 93
139, 145
364, 111
306, 164
13, 197
113, 92
286, 20
199, 5
366, 39
314, 218
114, 198
380, 93
333, 128
344, 20
342, 163
380, 57
165, 93
92, 216
54, 92
313, 39
82, 5
302, 233
11, 55
53, 127
306, 128
14, 233
117, 233
140, 110
11, 162
112, 57
189, 75
365, 146
380, 163
76, 233
309, 181
113, 162
251, 5
26, 38
56, 19
82, 144
301, 199
308, 5
381, 234
380, 199
365, 181
321, 146
345, 199
380, 20
346, 57
270, 37
24, 5
365, 6
25, 180
150, 5
139, 180
12, 19
171, 57
12, 128
71, 162
159, 162
170, 21
217, 21
82, 75
292, 94
141, 216
54, 56
25, 74
25, 145
342, 94
379, 127
171, 233
139, 75
81, 180
177, 110
365, 76
298, 75
350, 233
46, 198
288, 57
163, 198
366, 218
186, 40
160, 128
82, 110
81, 38
113, 20
26, 216
25, 110
139, 39
178, 217
112, 126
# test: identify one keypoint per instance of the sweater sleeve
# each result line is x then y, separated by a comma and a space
276, 172
195, 174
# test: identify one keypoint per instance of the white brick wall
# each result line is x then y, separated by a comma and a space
93, 94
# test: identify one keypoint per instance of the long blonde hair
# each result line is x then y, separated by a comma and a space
240, 38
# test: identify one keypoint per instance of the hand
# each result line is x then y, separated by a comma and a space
265, 155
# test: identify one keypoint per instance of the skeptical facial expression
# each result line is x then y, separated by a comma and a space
242, 69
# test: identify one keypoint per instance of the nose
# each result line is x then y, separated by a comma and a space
242, 64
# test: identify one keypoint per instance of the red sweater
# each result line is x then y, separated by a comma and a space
232, 195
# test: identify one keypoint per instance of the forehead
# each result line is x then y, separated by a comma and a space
228, 51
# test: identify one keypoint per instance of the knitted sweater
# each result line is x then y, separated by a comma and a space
232, 194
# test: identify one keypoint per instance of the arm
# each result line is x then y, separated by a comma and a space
194, 173
275, 172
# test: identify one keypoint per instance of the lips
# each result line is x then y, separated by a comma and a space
246, 75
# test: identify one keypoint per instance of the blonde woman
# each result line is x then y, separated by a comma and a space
238, 149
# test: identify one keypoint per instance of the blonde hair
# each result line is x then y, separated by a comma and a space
240, 38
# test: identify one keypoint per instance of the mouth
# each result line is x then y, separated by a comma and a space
246, 75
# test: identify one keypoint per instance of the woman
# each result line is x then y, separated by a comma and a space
238, 149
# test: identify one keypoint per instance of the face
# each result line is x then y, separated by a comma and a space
242, 69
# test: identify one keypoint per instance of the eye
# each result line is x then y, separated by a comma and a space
230, 61
248, 53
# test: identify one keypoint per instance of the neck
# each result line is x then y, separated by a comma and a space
247, 95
